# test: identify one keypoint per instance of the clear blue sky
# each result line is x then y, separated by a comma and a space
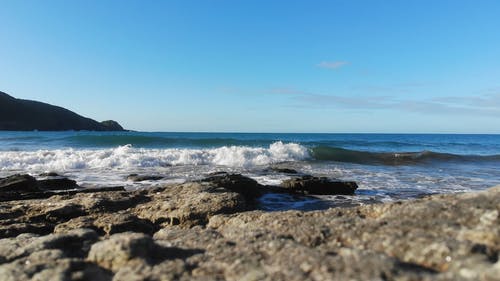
260, 66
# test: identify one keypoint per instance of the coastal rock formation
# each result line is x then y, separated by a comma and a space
137, 178
201, 231
112, 125
27, 115
319, 186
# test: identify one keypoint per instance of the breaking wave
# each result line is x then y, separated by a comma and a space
129, 157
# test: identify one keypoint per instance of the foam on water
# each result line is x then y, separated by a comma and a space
128, 157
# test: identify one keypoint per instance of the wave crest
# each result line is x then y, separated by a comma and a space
129, 157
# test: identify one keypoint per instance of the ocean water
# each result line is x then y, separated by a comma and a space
386, 167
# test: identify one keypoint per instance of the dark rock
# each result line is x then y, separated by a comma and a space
44, 117
12, 196
283, 170
49, 174
57, 183
102, 189
320, 186
19, 183
137, 178
112, 125
249, 188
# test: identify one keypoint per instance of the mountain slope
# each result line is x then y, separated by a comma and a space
27, 115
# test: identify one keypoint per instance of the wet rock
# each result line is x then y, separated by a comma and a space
319, 186
19, 183
138, 178
283, 170
57, 183
49, 174
245, 186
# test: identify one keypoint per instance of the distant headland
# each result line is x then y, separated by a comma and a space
28, 115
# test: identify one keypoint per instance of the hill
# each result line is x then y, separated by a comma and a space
28, 115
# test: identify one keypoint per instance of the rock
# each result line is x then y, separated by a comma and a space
283, 170
49, 174
19, 183
204, 231
12, 229
129, 248
319, 186
62, 212
57, 183
123, 222
75, 243
188, 204
121, 249
52, 265
245, 186
112, 125
137, 178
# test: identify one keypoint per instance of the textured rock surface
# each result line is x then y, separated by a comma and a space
57, 183
18, 183
320, 186
197, 231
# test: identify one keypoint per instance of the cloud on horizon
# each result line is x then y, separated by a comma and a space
484, 105
332, 64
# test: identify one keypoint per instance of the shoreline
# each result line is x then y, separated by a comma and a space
210, 230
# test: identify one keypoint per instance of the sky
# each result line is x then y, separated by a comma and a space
392, 66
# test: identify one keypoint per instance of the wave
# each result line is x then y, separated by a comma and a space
128, 157
327, 153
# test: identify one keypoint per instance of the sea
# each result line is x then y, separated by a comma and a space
386, 167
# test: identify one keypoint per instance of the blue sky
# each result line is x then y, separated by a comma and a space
260, 66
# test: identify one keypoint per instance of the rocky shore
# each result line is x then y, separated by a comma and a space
50, 229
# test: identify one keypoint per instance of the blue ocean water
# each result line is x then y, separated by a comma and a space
386, 166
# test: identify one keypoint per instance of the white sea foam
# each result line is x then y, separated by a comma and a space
128, 157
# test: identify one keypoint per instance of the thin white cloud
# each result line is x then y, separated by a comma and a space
485, 105
332, 64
